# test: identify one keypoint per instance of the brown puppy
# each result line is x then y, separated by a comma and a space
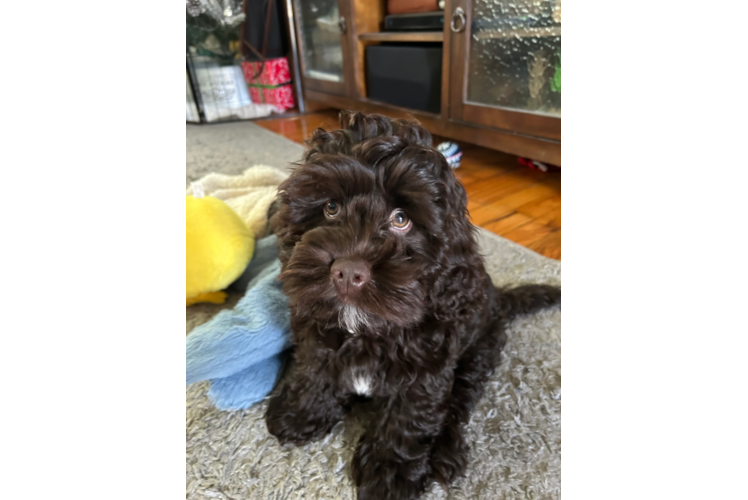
389, 300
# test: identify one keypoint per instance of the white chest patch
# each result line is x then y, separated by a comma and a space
362, 384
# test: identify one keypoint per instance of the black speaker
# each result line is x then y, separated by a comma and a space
417, 21
407, 75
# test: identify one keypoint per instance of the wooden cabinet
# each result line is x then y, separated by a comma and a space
501, 68
323, 46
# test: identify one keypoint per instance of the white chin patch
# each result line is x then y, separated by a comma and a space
362, 385
352, 318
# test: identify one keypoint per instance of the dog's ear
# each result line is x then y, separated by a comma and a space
461, 229
459, 263
280, 221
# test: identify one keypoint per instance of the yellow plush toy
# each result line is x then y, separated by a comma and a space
219, 248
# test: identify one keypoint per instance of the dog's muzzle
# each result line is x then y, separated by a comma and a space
350, 275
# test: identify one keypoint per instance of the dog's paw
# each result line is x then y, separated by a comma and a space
291, 424
449, 456
379, 478
398, 489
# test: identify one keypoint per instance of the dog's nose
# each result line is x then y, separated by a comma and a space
349, 274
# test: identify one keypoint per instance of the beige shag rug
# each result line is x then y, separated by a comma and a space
514, 432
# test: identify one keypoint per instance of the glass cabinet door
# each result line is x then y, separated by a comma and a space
319, 30
512, 69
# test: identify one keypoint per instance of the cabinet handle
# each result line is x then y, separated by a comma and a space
341, 25
459, 15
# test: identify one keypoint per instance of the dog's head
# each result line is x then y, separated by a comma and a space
371, 225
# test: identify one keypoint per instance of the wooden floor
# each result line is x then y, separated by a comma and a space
508, 199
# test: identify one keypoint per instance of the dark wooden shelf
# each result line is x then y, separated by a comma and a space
403, 36
523, 133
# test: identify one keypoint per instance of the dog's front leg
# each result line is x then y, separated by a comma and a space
311, 403
393, 458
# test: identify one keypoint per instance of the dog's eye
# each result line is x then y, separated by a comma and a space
332, 209
400, 221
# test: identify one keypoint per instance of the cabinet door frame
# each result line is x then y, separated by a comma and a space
326, 86
526, 123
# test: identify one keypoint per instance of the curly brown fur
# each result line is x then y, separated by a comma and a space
420, 337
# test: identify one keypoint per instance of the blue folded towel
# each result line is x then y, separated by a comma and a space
242, 351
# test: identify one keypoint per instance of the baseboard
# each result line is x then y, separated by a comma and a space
654, 458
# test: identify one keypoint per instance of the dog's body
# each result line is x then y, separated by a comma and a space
389, 300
